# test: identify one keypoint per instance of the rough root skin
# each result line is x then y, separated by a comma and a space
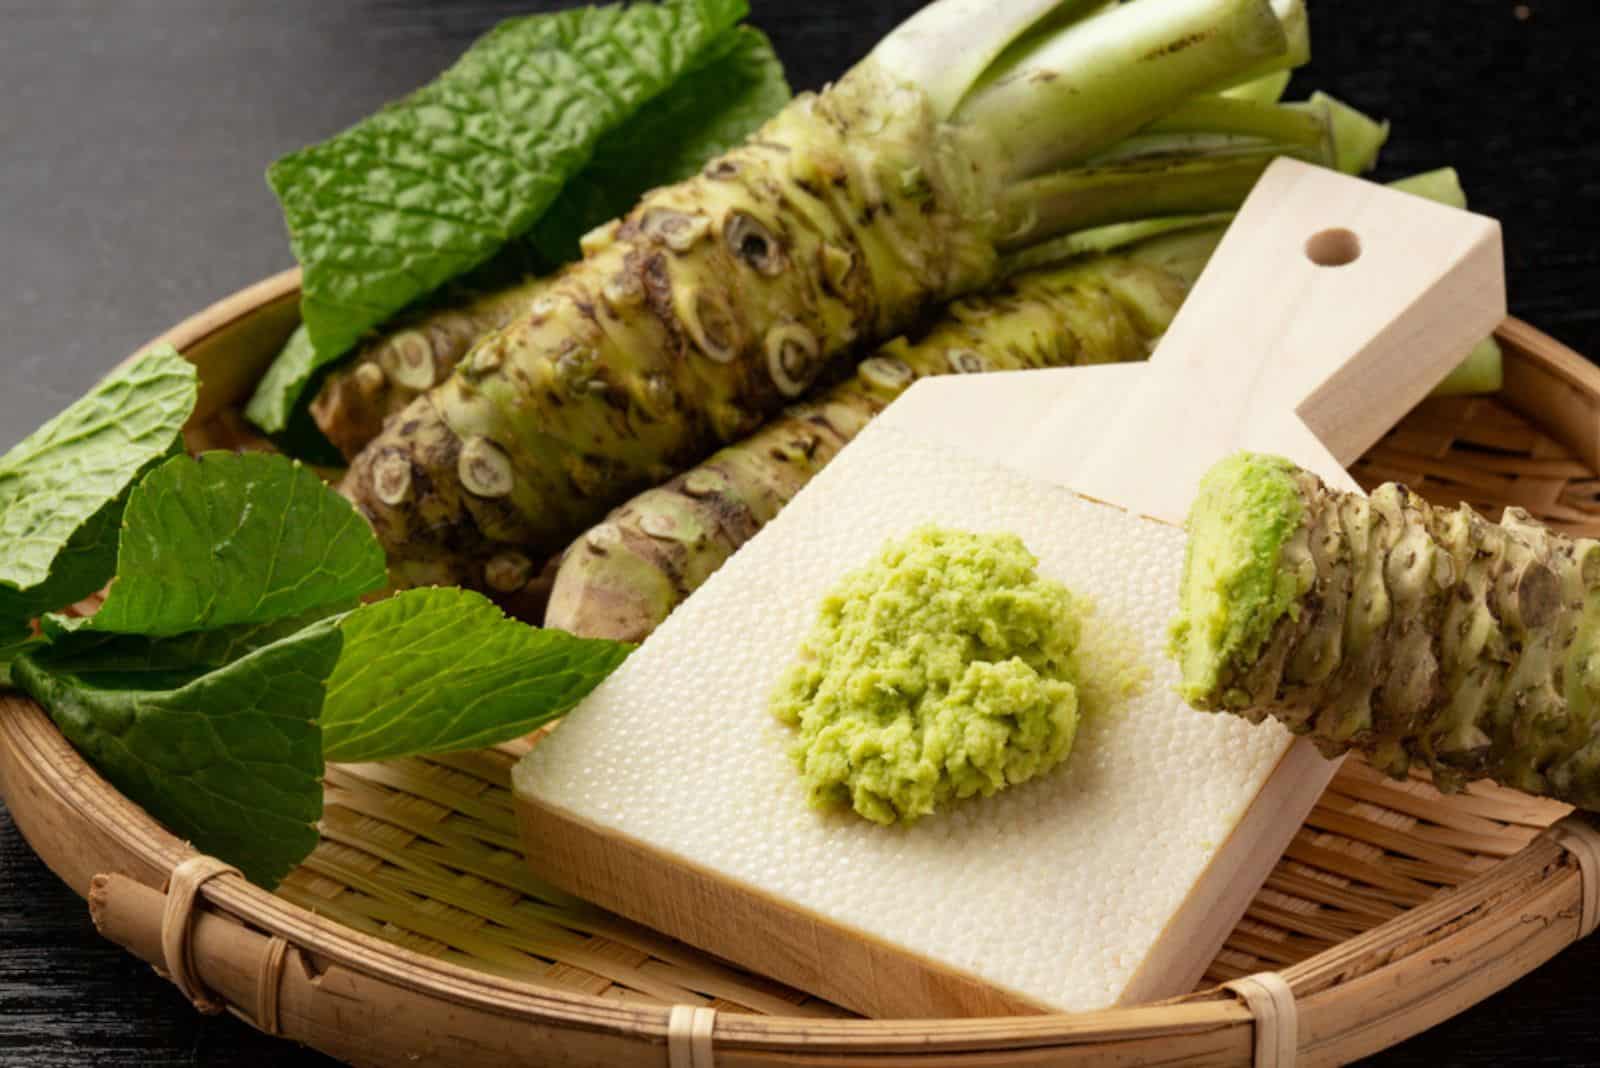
1431, 636
623, 578
849, 213
391, 371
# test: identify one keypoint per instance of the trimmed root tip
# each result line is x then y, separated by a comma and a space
484, 468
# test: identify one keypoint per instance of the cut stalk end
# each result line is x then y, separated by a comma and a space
1442, 185
1357, 137
1296, 23
1483, 371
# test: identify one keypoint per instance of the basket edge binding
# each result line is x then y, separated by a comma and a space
1301, 1015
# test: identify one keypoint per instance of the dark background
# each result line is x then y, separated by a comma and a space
133, 135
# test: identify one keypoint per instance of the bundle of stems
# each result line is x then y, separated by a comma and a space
968, 136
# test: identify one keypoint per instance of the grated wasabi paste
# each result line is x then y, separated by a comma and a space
945, 669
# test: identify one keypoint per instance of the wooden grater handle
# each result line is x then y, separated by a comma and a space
1332, 306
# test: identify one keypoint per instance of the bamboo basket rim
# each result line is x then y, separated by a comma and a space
1543, 877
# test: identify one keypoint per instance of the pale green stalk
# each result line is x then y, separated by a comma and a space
1087, 198
1267, 89
1296, 23
1215, 123
1203, 156
1102, 78
1442, 186
1357, 138
946, 47
1109, 238
1483, 371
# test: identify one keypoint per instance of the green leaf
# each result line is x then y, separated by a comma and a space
190, 654
235, 538
215, 735
273, 402
435, 184
83, 566
62, 488
12, 650
704, 114
437, 670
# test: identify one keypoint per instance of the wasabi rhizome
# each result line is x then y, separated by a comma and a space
1415, 634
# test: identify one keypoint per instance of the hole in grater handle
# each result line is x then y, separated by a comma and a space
1333, 248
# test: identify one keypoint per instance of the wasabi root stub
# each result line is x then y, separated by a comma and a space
391, 371
1417, 634
944, 669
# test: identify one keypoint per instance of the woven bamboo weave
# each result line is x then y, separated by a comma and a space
415, 932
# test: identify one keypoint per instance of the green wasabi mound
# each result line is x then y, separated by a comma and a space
1235, 587
943, 670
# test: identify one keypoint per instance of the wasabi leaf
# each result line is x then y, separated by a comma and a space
62, 488
193, 653
11, 650
272, 404
235, 538
437, 670
82, 567
435, 184
708, 110
215, 735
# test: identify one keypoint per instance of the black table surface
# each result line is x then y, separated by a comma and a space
133, 135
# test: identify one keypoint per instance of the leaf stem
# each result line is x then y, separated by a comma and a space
1074, 200
946, 47
1296, 23
1101, 78
1442, 185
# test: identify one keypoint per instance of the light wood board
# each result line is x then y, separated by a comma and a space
1272, 352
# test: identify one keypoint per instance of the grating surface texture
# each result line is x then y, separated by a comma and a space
679, 749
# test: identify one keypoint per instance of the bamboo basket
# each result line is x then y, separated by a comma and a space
414, 933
